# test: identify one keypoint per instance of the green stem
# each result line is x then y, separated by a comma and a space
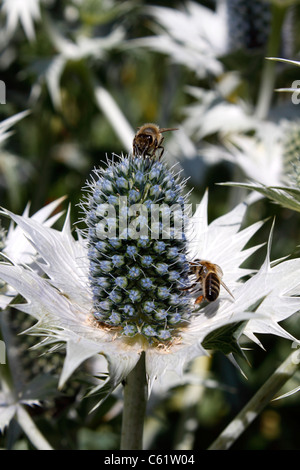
135, 401
191, 397
261, 399
268, 73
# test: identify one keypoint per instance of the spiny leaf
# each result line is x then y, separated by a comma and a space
285, 196
225, 339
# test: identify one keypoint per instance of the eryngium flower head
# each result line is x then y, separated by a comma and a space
81, 277
135, 215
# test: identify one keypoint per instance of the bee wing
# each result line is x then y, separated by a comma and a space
226, 288
218, 270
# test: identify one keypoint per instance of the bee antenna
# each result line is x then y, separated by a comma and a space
169, 129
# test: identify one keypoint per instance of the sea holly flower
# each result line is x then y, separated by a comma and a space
113, 292
270, 161
278, 148
267, 153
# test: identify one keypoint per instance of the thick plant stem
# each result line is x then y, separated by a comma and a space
261, 399
135, 401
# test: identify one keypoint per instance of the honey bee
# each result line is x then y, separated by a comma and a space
209, 276
149, 139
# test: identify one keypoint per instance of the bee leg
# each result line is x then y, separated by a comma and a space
190, 287
161, 148
144, 152
161, 153
199, 299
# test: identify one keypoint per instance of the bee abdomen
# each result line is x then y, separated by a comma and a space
211, 287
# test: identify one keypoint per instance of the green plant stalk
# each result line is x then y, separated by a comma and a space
268, 74
135, 402
192, 395
260, 400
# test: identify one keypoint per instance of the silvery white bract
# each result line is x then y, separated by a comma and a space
12, 404
24, 12
195, 37
18, 250
7, 123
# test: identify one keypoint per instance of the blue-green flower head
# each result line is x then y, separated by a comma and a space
135, 216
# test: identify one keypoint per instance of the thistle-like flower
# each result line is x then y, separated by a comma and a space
270, 159
123, 286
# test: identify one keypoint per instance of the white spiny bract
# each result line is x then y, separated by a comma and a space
15, 248
24, 12
138, 265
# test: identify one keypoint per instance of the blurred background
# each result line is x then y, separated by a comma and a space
89, 72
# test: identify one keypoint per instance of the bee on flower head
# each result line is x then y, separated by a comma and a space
148, 140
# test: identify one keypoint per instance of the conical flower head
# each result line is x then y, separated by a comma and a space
135, 214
